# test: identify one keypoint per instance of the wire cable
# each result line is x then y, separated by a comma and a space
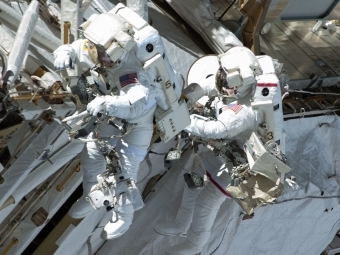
225, 231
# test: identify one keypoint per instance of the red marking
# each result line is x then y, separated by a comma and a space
267, 84
217, 185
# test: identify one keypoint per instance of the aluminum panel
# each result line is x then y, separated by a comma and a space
308, 9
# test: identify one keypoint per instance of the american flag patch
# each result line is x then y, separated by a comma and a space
233, 107
128, 79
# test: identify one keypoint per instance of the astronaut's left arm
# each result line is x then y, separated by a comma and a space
231, 121
133, 103
65, 56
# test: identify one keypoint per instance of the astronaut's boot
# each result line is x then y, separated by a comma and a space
180, 225
92, 164
121, 220
207, 205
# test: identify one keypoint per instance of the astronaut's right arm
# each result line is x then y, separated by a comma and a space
133, 103
195, 91
233, 120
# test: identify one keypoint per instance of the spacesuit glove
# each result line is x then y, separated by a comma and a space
96, 105
63, 57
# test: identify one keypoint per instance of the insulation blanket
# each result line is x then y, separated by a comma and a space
34, 153
303, 220
200, 16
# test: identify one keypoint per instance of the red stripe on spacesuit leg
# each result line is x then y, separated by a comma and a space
217, 185
267, 84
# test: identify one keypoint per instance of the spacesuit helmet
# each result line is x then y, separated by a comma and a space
237, 72
109, 39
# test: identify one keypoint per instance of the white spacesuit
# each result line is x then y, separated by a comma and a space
239, 73
117, 45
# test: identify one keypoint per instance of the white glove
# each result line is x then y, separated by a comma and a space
63, 57
96, 105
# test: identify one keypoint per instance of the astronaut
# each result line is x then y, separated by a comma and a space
117, 45
241, 80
